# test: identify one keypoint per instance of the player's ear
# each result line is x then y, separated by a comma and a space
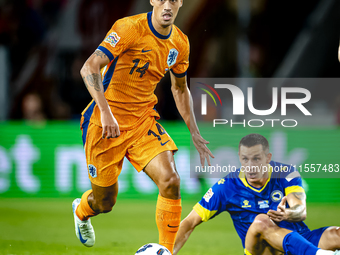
269, 157
180, 3
151, 2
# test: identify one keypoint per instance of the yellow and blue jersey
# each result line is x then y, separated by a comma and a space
244, 202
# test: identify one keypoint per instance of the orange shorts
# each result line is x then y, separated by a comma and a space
105, 157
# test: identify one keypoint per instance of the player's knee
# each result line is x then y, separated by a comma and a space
170, 184
330, 239
337, 235
174, 181
261, 223
106, 205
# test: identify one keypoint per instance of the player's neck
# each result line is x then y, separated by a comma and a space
259, 183
160, 29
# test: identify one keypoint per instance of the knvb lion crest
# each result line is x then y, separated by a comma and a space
172, 57
92, 171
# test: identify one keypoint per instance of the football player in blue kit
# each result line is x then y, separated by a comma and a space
267, 204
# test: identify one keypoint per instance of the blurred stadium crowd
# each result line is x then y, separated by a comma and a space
43, 44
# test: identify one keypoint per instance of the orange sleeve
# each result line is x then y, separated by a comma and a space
122, 35
180, 68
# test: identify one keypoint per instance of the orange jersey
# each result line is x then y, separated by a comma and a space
140, 57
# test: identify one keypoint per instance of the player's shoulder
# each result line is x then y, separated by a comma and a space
226, 187
132, 22
229, 181
180, 36
233, 175
283, 171
179, 33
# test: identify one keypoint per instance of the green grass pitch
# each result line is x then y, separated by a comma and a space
45, 226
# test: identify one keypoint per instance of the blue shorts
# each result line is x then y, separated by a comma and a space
313, 236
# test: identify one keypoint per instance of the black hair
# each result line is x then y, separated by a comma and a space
255, 139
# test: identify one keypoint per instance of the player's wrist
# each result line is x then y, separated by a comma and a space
293, 216
195, 133
104, 109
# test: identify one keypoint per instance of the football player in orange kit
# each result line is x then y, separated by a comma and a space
121, 76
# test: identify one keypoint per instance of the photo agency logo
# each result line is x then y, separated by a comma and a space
287, 97
204, 97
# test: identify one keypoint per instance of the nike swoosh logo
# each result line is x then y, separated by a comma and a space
80, 237
143, 51
172, 226
165, 143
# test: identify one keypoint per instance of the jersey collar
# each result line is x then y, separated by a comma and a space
160, 36
244, 180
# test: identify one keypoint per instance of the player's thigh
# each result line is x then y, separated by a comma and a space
264, 249
104, 157
162, 168
153, 152
330, 239
271, 251
258, 246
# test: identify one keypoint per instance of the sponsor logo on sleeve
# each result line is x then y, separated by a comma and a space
208, 195
112, 39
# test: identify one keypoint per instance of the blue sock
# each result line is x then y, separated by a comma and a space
294, 243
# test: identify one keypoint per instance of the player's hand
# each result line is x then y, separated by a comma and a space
109, 124
280, 214
201, 147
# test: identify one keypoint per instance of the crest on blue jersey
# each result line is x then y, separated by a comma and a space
276, 195
92, 171
172, 57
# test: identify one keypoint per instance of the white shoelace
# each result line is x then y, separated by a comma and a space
84, 229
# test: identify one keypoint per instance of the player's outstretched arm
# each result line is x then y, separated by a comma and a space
184, 105
93, 81
296, 211
185, 229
